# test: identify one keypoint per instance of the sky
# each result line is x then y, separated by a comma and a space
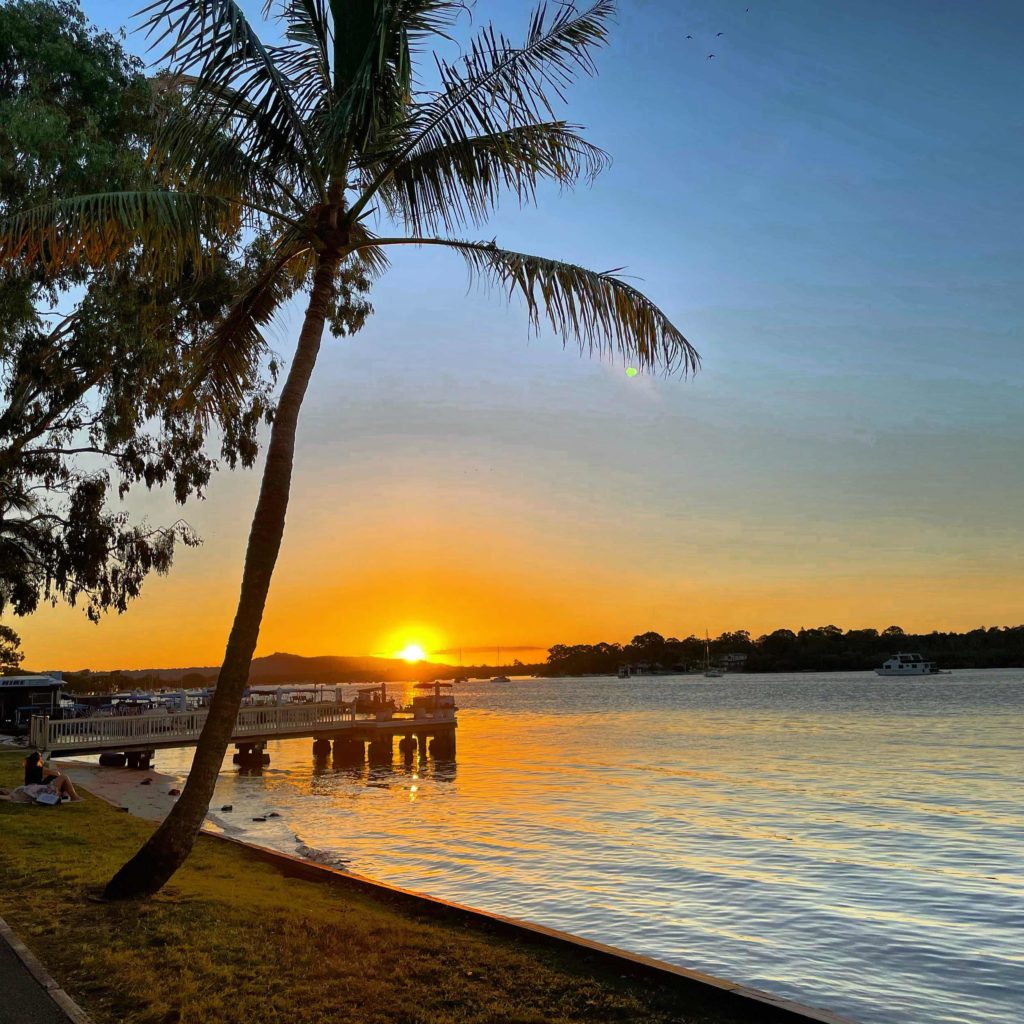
831, 210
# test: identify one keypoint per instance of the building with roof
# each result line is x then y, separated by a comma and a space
26, 693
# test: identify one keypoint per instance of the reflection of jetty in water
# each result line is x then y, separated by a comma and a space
375, 764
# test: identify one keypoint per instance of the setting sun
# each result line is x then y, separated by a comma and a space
413, 652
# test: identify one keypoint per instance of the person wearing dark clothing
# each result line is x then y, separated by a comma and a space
41, 781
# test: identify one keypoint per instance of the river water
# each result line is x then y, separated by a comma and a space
852, 842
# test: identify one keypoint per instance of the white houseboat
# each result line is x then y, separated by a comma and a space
908, 665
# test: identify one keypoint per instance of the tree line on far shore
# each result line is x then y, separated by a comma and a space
822, 649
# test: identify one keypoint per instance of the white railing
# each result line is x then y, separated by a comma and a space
174, 728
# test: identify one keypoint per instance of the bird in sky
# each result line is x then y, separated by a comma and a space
689, 37
711, 56
718, 35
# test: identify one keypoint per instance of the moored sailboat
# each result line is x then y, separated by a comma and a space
711, 673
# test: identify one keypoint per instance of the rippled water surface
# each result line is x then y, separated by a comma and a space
848, 841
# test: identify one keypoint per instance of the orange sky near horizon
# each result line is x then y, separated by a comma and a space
179, 628
457, 574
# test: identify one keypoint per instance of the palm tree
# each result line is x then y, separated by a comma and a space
316, 142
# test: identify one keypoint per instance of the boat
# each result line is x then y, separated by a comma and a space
711, 673
374, 700
908, 665
439, 699
497, 661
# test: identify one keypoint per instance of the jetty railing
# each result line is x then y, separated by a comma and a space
182, 728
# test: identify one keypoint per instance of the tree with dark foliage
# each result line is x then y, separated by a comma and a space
95, 369
819, 649
10, 649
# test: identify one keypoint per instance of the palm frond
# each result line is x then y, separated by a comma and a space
211, 160
430, 19
598, 310
305, 57
461, 182
371, 70
229, 360
498, 85
364, 247
212, 135
213, 41
172, 230
307, 24
373, 43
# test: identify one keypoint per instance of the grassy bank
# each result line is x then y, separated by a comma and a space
233, 939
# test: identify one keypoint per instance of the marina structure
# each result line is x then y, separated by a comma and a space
350, 728
24, 695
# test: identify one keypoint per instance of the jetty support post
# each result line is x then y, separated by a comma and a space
381, 750
442, 746
250, 754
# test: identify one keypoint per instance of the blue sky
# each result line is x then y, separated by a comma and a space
831, 211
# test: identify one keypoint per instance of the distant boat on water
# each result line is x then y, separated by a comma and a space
711, 673
497, 661
908, 665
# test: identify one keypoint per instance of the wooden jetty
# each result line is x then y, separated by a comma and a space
346, 727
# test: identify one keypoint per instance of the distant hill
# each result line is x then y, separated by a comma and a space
330, 668
288, 668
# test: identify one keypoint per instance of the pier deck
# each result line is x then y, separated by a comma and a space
254, 727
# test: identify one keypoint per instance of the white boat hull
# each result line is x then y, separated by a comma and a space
907, 665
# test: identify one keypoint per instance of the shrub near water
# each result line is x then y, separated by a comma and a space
235, 940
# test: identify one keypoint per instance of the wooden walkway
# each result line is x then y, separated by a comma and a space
254, 727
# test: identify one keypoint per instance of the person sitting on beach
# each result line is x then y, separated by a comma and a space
40, 781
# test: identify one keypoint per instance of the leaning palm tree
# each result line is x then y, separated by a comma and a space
318, 142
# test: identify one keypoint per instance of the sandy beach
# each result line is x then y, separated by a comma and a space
146, 794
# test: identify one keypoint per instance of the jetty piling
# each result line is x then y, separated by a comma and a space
251, 755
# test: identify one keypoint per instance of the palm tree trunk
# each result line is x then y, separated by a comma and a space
166, 850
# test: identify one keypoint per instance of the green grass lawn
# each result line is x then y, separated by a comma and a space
233, 939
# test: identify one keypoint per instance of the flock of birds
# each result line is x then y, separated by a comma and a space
718, 35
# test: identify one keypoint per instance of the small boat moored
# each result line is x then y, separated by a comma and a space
709, 670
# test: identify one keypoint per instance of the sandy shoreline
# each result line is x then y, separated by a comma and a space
152, 801
145, 793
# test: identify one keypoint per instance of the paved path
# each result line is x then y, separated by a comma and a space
23, 999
